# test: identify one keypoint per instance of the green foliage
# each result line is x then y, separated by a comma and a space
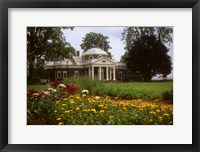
39, 109
44, 43
92, 40
131, 34
167, 95
84, 83
150, 58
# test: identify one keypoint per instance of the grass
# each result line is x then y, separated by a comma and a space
38, 87
156, 87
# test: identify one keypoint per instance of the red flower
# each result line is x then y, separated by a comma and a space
32, 91
71, 89
54, 84
40, 94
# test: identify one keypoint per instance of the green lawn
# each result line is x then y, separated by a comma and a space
156, 87
38, 87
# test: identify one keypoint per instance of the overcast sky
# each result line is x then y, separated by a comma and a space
75, 37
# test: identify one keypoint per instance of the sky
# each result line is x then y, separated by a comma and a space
75, 36
114, 33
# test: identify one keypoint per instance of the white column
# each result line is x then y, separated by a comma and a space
92, 73
106, 73
99, 73
114, 73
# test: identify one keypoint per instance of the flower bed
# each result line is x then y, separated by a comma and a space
62, 105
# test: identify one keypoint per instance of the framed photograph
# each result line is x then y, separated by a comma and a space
100, 76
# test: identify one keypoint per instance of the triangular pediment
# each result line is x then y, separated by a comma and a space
103, 61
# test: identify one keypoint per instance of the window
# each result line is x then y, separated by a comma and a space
64, 74
99, 56
91, 57
58, 74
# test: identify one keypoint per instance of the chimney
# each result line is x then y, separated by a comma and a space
77, 53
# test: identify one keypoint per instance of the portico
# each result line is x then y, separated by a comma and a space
102, 72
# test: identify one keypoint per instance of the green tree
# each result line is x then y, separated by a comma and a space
92, 40
124, 57
130, 34
147, 58
43, 43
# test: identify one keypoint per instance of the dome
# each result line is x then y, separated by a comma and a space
95, 51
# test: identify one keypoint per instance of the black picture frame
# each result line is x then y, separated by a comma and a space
6, 4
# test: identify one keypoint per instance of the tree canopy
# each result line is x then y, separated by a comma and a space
141, 60
147, 58
130, 34
98, 40
46, 43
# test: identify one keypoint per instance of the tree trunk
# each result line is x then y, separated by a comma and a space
31, 72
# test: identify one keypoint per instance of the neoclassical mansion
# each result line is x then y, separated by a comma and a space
93, 63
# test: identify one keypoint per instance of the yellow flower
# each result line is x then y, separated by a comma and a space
156, 100
150, 120
139, 100
55, 111
157, 110
65, 99
60, 123
107, 97
71, 101
58, 119
116, 98
63, 105
57, 102
160, 118
102, 111
101, 105
67, 111
165, 114
83, 95
94, 110
125, 108
86, 110
77, 108
152, 112
78, 97
111, 117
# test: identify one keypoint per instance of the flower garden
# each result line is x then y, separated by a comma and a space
62, 104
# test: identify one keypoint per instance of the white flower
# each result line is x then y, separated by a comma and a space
97, 97
85, 91
36, 94
51, 90
61, 86
46, 92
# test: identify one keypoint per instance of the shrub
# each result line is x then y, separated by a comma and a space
167, 95
84, 83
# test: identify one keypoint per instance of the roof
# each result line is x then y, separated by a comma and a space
95, 51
